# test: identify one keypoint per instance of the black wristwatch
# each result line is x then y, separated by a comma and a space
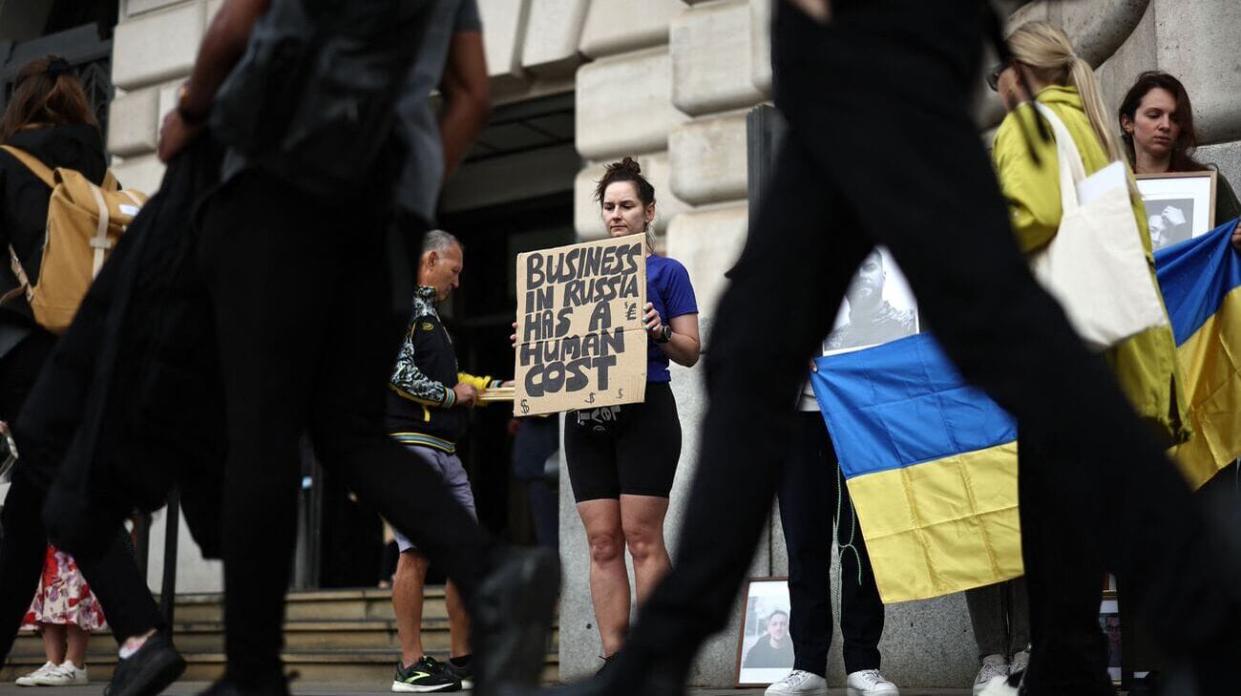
665, 334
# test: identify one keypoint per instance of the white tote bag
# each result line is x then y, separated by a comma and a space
1096, 266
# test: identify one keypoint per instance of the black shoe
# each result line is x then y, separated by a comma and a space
147, 672
425, 676
463, 672
512, 619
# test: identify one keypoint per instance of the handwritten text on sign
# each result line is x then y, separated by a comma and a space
581, 341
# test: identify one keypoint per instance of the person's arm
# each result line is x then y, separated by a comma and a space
1032, 190
465, 89
412, 383
222, 46
683, 346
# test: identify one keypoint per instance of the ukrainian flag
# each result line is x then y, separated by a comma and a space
1201, 283
931, 465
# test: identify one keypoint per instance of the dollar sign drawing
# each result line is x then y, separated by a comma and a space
620, 393
591, 399
525, 407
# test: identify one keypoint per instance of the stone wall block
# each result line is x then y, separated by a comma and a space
708, 159
708, 242
1197, 42
623, 104
504, 27
213, 6
655, 168
1096, 28
1138, 53
157, 46
760, 45
615, 27
553, 33
711, 58
133, 122
1226, 156
143, 173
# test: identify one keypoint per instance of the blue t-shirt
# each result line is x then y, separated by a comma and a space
668, 288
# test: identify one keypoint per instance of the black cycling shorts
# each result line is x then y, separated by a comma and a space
631, 449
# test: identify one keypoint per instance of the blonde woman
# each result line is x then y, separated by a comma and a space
1064, 574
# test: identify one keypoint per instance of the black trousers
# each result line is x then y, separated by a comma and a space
813, 495
1065, 571
113, 576
307, 340
881, 149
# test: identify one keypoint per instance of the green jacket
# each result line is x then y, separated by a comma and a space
1146, 365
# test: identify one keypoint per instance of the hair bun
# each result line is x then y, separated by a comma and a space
628, 164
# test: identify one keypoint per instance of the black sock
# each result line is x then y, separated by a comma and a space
463, 661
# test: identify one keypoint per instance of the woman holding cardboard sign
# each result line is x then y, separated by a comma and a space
1064, 576
622, 459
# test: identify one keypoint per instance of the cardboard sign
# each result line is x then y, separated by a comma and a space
581, 342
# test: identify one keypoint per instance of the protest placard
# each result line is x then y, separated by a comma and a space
581, 341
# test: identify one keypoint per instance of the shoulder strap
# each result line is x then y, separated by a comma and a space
1072, 170
33, 164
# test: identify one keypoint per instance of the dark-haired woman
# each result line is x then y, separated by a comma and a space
49, 118
1157, 124
622, 459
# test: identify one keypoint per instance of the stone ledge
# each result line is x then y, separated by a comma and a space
708, 159
711, 58
157, 46
553, 32
623, 104
760, 45
504, 26
615, 27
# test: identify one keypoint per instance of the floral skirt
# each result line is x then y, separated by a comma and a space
64, 597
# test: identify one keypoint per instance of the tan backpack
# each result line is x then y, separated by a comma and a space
84, 222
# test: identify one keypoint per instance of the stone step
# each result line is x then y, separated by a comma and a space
362, 667
322, 605
298, 635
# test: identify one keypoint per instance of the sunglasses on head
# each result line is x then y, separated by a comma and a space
993, 76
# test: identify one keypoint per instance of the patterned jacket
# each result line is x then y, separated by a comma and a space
421, 402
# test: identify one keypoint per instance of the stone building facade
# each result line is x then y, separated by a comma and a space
670, 82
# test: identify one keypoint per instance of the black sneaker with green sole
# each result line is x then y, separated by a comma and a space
425, 676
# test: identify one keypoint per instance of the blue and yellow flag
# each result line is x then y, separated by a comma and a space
931, 465
1201, 283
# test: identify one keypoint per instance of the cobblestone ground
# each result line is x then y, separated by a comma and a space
317, 689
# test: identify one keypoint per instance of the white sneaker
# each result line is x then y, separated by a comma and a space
869, 682
994, 669
1003, 687
798, 683
29, 679
1020, 661
66, 674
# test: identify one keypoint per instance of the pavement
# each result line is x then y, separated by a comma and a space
322, 689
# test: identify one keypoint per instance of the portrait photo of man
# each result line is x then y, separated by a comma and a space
775, 647
878, 308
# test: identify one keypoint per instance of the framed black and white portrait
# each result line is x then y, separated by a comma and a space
765, 648
878, 307
1178, 206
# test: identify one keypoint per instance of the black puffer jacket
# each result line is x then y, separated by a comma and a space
23, 206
